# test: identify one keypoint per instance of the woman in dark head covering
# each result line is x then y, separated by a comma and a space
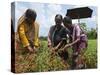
30, 16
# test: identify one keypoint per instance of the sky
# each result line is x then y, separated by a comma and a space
46, 13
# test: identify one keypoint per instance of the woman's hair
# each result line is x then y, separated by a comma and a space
67, 20
30, 14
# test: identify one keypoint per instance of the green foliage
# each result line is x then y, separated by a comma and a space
92, 33
43, 60
91, 54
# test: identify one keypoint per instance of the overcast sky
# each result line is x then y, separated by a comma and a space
46, 13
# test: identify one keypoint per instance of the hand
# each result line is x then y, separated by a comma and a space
53, 49
67, 46
30, 48
35, 49
49, 45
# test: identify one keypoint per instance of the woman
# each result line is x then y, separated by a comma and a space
57, 38
78, 41
28, 30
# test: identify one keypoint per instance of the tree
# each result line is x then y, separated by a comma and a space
83, 27
92, 34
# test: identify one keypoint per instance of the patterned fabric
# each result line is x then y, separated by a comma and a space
78, 33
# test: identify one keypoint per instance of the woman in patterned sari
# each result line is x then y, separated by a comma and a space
78, 41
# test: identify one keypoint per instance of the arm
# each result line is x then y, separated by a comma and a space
77, 31
50, 43
49, 40
70, 44
23, 38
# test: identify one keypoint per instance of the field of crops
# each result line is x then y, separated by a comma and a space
44, 61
